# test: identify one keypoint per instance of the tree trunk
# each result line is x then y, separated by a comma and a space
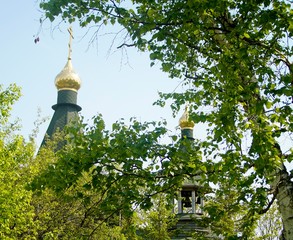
283, 187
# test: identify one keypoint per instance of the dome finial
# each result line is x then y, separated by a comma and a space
70, 41
67, 79
184, 121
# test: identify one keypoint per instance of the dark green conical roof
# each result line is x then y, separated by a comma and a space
66, 110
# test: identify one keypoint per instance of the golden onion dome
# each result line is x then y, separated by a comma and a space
68, 79
184, 121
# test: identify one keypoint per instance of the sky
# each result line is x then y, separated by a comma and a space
114, 83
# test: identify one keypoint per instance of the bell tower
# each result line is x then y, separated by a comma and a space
190, 199
67, 83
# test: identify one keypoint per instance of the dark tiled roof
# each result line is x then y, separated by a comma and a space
66, 110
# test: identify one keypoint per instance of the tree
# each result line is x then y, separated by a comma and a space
121, 166
270, 224
16, 213
24, 214
237, 57
74, 212
157, 222
225, 218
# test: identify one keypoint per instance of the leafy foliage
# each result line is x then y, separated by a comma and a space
8, 97
270, 225
125, 165
157, 222
25, 214
15, 210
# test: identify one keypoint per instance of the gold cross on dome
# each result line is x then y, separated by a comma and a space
70, 41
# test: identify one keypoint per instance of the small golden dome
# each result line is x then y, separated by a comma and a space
184, 121
68, 79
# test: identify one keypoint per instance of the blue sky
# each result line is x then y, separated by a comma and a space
113, 84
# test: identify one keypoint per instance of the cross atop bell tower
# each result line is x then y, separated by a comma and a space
70, 42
